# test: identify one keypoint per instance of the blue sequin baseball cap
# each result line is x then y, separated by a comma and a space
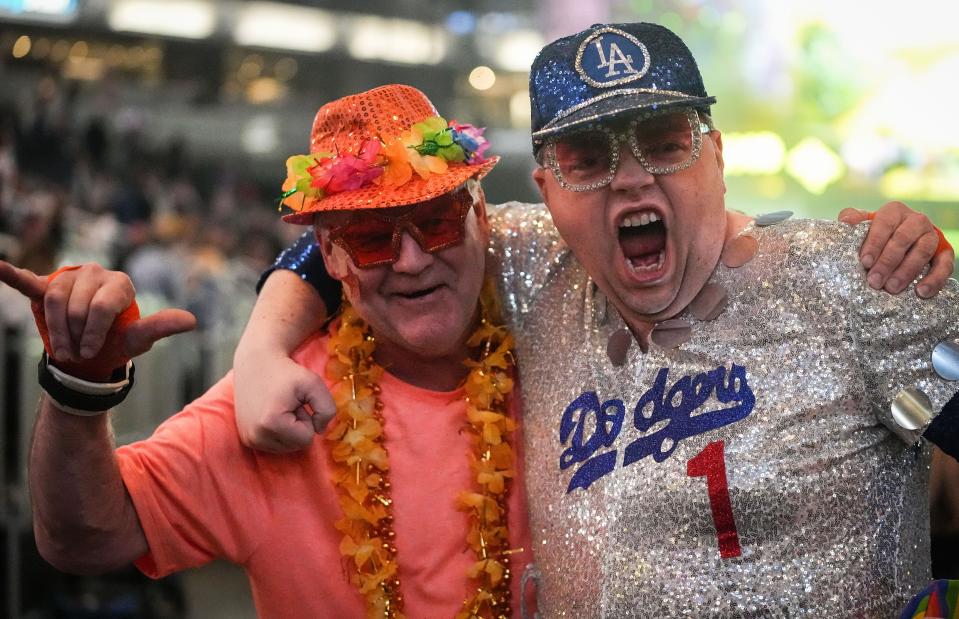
610, 70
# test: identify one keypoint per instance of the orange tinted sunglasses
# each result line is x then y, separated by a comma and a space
372, 239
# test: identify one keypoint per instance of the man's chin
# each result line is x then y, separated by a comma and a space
432, 342
651, 303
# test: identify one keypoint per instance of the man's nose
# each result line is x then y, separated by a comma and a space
412, 258
630, 173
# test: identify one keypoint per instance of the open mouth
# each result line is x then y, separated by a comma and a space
642, 237
419, 294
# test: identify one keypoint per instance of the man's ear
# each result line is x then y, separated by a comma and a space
479, 206
539, 177
717, 139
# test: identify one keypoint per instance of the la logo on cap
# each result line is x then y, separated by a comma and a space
610, 57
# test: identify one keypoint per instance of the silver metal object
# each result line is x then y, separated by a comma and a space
945, 359
770, 219
912, 412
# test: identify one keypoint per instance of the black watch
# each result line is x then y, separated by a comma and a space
81, 397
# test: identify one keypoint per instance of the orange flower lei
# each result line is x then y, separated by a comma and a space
361, 466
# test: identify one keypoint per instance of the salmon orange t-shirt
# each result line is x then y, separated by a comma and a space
201, 495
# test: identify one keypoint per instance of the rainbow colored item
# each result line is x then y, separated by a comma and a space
940, 600
381, 148
426, 149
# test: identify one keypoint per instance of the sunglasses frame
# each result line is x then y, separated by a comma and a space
628, 136
462, 199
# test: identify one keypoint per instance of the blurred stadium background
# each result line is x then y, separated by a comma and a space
151, 135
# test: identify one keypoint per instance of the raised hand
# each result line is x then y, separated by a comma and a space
89, 319
899, 245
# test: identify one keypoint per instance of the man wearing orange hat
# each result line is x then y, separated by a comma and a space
410, 506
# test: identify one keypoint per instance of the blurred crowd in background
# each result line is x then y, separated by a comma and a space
189, 235
74, 191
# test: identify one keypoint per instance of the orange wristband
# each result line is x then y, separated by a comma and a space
943, 243
111, 355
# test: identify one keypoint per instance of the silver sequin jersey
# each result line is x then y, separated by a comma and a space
829, 507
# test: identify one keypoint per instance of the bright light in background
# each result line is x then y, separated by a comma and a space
395, 40
869, 153
482, 78
908, 184
264, 90
191, 19
22, 46
761, 152
891, 24
261, 135
516, 50
79, 66
46, 6
519, 108
914, 129
900, 109
877, 86
83, 68
461, 22
498, 22
773, 29
284, 26
46, 10
814, 165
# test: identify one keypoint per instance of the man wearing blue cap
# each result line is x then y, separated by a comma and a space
757, 453
744, 464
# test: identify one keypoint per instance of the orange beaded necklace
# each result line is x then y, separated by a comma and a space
361, 466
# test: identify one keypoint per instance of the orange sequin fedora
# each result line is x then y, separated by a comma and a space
381, 148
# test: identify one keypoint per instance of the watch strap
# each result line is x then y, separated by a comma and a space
82, 397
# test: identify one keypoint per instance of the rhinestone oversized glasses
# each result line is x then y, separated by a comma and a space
587, 159
372, 239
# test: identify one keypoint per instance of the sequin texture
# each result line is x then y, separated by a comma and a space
654, 67
829, 506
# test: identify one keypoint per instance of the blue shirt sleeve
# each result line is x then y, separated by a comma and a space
304, 259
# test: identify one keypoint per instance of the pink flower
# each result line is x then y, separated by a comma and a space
348, 172
471, 139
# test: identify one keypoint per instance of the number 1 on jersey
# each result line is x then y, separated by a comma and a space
711, 464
